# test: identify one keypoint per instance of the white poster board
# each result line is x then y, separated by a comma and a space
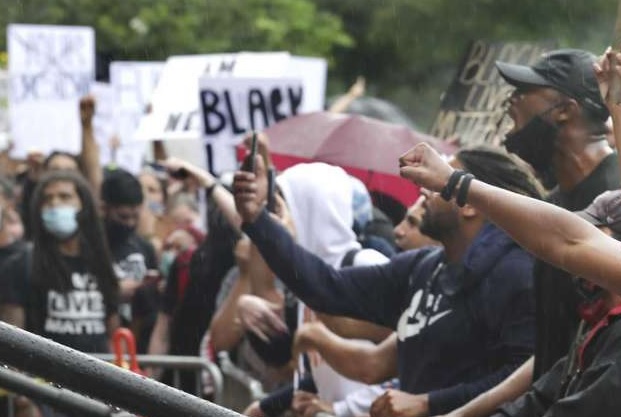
133, 84
176, 111
128, 156
231, 107
50, 68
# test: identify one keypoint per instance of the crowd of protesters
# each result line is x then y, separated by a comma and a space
496, 295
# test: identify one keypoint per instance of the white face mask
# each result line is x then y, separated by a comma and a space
61, 221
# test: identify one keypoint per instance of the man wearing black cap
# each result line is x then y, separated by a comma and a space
560, 130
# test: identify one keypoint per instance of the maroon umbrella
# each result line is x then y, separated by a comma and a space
367, 148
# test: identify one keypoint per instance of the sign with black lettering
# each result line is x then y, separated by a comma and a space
50, 68
471, 108
176, 108
231, 107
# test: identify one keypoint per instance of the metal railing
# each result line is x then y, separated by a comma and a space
87, 375
177, 364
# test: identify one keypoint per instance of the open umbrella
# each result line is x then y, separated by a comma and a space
367, 148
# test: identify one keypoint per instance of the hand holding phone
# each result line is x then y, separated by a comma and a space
271, 190
253, 153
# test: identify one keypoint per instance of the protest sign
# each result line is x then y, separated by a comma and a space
4, 109
231, 107
133, 84
176, 110
472, 106
50, 68
112, 151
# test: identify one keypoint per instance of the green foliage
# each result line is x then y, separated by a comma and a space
407, 49
155, 29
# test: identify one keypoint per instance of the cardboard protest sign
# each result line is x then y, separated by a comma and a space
472, 106
50, 68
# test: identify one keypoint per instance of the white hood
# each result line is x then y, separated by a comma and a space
320, 199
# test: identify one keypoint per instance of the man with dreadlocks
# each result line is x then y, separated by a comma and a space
63, 287
463, 312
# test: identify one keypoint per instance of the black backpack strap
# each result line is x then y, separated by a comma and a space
348, 259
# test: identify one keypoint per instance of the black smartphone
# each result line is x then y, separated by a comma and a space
271, 190
253, 152
179, 174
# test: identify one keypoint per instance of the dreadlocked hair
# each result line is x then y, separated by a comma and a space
49, 269
494, 166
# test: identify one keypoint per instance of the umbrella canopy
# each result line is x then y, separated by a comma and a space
367, 148
377, 108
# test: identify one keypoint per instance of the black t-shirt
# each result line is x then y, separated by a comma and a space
75, 318
6, 252
556, 301
132, 258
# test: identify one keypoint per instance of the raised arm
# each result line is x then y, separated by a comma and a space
608, 72
357, 292
551, 233
221, 196
89, 156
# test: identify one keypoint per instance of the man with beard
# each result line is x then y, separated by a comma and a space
560, 130
121, 195
463, 312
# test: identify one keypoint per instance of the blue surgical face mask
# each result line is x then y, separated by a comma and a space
62, 222
156, 208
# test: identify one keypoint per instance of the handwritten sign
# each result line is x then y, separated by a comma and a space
176, 114
233, 106
127, 155
50, 68
133, 84
472, 106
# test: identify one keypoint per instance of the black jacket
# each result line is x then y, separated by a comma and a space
594, 390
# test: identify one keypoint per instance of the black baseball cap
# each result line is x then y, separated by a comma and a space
605, 210
569, 71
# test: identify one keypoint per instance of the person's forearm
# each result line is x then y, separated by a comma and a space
508, 390
317, 284
90, 157
158, 344
552, 234
354, 329
355, 359
226, 203
615, 114
225, 332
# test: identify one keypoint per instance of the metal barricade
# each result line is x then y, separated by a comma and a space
181, 363
97, 379
240, 389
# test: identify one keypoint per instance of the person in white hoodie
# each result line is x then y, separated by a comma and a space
319, 200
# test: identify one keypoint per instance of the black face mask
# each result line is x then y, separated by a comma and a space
534, 143
117, 231
588, 293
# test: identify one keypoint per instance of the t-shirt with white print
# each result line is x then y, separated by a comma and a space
132, 258
76, 317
